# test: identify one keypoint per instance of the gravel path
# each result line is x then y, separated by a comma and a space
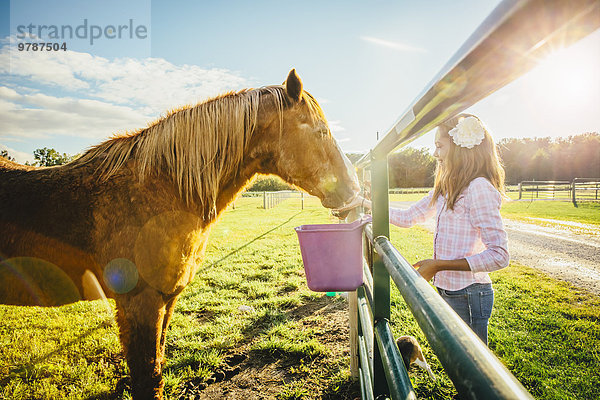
563, 249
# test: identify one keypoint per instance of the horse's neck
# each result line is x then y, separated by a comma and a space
232, 186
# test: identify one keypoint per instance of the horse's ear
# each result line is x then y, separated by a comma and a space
293, 85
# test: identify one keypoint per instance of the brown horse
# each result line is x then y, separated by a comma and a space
133, 213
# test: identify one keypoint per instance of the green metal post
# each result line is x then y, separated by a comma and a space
381, 277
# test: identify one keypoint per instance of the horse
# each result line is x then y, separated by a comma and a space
131, 216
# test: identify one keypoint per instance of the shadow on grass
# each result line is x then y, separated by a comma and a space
250, 363
247, 244
26, 371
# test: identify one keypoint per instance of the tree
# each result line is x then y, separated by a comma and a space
4, 153
544, 159
269, 184
48, 157
411, 168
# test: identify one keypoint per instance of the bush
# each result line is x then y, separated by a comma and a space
269, 184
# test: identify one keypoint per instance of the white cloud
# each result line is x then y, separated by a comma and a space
19, 156
8, 93
152, 82
40, 115
335, 127
79, 94
393, 45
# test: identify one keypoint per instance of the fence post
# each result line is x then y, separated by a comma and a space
302, 200
381, 277
573, 191
520, 189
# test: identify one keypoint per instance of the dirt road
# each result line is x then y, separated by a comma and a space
565, 250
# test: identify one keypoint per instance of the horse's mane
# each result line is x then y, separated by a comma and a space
197, 145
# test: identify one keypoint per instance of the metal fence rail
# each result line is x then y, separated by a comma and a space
506, 45
577, 190
409, 190
272, 199
585, 189
471, 366
545, 190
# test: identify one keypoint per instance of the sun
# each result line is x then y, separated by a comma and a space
568, 77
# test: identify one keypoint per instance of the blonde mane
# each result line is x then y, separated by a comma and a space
196, 146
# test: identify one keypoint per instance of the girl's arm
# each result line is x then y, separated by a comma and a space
484, 213
428, 268
418, 212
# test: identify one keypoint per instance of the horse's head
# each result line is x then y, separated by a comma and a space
305, 153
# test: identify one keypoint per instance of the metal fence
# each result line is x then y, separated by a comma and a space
272, 199
585, 189
409, 190
545, 190
577, 190
506, 45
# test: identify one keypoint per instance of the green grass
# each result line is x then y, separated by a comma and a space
545, 331
49, 353
587, 213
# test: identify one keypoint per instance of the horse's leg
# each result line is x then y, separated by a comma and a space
141, 318
168, 314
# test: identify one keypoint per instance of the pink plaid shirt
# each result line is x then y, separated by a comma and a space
473, 230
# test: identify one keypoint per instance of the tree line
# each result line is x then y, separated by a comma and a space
545, 159
540, 159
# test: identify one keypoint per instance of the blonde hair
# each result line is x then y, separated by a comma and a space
462, 165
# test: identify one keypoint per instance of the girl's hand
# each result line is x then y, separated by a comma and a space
358, 201
427, 268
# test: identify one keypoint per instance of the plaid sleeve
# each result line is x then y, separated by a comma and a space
484, 213
418, 212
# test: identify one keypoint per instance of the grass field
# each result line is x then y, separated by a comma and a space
587, 213
287, 342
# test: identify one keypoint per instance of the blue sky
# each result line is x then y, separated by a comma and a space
364, 61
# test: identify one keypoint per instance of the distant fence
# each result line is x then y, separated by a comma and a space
585, 189
577, 190
545, 190
272, 199
409, 190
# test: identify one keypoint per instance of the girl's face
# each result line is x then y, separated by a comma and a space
442, 145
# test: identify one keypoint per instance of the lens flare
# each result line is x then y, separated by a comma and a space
33, 281
121, 275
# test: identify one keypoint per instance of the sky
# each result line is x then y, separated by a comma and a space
365, 62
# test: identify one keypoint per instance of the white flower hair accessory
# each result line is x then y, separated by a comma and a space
469, 132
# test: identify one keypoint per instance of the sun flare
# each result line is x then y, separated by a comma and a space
568, 77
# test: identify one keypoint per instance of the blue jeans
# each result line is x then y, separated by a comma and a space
474, 305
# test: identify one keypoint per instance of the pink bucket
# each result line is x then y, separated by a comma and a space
332, 255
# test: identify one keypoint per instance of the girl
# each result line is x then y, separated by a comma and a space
470, 240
